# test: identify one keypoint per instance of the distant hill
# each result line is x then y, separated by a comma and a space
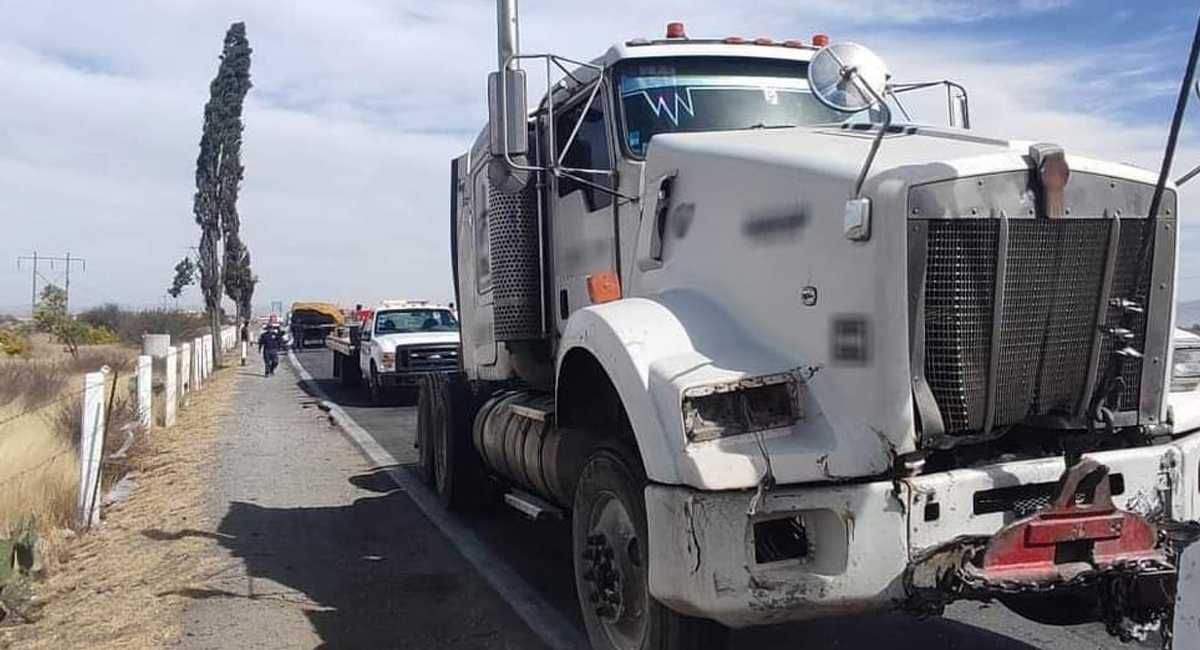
1187, 313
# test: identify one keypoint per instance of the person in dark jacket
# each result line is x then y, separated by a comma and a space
271, 340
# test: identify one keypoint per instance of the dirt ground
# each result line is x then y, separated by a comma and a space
115, 589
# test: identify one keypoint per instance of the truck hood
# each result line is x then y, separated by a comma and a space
792, 294
402, 339
913, 154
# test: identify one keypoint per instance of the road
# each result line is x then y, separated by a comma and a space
538, 555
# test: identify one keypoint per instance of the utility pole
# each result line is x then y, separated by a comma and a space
35, 261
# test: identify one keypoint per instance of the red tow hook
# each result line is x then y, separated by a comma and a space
1080, 531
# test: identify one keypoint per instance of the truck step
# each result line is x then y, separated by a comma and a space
534, 508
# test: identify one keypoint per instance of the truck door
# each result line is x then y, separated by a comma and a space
582, 218
364, 345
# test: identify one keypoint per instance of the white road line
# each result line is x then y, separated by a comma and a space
542, 618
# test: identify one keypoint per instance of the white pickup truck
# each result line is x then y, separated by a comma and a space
394, 344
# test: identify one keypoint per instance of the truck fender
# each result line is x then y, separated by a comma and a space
646, 347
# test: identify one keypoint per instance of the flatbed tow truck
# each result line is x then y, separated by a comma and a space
780, 357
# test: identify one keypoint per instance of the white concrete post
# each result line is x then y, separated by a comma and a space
145, 391
185, 372
91, 447
208, 355
156, 345
170, 398
197, 364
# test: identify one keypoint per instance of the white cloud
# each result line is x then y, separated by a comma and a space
358, 107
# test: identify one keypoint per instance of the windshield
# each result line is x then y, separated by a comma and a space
672, 95
415, 320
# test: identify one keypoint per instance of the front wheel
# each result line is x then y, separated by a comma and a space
610, 551
374, 388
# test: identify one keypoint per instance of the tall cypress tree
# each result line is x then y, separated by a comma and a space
219, 168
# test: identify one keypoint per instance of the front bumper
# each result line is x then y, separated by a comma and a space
862, 538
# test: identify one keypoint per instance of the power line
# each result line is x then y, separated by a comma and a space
35, 265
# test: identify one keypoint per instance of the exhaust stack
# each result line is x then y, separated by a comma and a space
507, 35
506, 91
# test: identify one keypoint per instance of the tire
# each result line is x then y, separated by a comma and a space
459, 475
609, 537
425, 462
373, 387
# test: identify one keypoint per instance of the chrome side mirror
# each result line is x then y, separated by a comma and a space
847, 77
508, 133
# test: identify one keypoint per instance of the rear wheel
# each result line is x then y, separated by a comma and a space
609, 544
458, 471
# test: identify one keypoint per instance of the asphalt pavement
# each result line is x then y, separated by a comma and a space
538, 554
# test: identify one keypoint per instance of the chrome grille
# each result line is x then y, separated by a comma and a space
429, 357
1053, 279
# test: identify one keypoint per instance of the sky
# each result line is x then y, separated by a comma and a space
359, 105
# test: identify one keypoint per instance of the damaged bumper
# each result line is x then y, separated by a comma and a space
809, 552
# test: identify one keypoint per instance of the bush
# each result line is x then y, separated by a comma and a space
108, 316
14, 339
129, 326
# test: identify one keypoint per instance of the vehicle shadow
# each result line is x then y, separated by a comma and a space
372, 574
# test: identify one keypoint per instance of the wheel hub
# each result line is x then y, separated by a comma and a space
604, 578
614, 574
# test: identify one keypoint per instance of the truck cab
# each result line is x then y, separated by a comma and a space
402, 340
779, 359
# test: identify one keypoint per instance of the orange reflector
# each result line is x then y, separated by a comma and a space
603, 287
820, 40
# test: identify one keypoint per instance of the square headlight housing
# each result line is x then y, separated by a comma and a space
742, 406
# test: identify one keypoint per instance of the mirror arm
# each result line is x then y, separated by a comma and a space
1188, 176
883, 128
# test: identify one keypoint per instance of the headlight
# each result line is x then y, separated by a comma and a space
1185, 369
388, 359
743, 406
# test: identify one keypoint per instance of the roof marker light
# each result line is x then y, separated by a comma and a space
762, 40
676, 30
734, 40
793, 43
820, 40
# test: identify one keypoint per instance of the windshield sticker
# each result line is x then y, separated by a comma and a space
635, 137
672, 108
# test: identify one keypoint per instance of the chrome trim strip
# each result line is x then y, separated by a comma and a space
997, 321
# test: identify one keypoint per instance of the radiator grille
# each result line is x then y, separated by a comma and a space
1054, 276
429, 357
515, 245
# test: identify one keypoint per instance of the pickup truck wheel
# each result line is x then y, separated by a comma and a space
609, 547
458, 470
374, 388
425, 462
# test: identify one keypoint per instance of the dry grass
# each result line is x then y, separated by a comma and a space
115, 594
40, 416
38, 475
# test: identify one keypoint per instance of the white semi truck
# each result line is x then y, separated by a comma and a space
781, 357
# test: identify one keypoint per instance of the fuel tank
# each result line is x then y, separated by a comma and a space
515, 435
